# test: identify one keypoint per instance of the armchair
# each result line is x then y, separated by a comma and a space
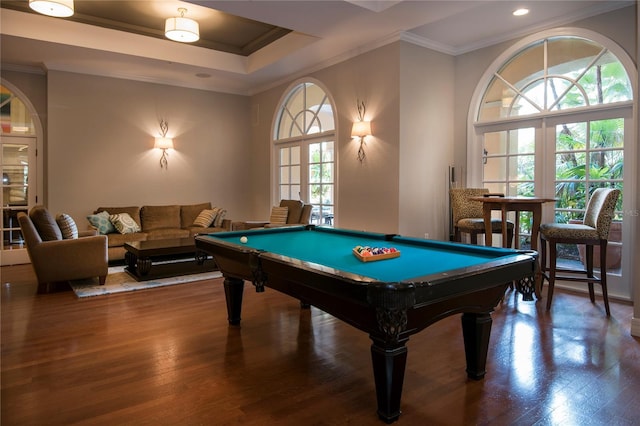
57, 260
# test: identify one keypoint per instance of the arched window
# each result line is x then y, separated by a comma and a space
553, 74
553, 116
18, 147
304, 141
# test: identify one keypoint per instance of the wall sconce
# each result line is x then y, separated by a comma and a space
56, 8
361, 129
164, 143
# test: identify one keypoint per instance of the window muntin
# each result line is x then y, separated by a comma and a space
589, 155
290, 177
555, 74
321, 182
306, 111
509, 159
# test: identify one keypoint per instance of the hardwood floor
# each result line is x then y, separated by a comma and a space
166, 356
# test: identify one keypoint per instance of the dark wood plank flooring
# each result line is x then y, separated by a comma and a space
166, 356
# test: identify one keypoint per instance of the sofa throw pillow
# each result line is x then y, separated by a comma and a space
205, 218
279, 215
67, 226
101, 222
222, 213
189, 213
124, 223
45, 224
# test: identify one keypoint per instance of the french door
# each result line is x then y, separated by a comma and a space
306, 171
18, 166
565, 157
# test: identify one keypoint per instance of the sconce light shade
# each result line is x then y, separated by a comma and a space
56, 8
182, 29
360, 129
163, 143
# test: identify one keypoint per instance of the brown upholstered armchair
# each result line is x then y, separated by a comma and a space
288, 213
55, 259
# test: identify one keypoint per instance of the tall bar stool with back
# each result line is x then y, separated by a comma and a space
593, 231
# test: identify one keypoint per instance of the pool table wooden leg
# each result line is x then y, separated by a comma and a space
476, 330
388, 371
233, 288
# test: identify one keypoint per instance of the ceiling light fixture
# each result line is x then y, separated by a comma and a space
57, 8
182, 29
520, 12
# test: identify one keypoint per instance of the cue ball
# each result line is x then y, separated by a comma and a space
244, 240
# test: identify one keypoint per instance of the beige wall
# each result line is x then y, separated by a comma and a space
367, 197
426, 135
401, 186
100, 145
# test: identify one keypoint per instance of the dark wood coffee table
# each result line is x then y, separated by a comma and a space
166, 258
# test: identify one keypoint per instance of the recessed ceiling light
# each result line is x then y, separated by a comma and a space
520, 12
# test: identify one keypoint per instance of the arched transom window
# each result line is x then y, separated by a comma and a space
554, 74
304, 141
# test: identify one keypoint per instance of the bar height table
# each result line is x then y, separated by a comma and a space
515, 204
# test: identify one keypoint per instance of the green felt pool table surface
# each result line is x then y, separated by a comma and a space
334, 248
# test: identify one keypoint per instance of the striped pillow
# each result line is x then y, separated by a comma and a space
67, 226
219, 218
205, 218
279, 215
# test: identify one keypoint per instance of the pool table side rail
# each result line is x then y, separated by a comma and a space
427, 288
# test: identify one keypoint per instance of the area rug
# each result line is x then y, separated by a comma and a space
118, 281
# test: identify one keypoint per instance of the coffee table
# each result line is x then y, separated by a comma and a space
152, 259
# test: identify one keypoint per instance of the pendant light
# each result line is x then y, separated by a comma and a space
182, 29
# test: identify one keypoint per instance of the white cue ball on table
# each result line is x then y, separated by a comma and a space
244, 240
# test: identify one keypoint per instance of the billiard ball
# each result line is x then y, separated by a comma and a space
244, 240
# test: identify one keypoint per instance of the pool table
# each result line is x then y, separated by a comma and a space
389, 299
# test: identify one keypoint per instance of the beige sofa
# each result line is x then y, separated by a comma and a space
161, 222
